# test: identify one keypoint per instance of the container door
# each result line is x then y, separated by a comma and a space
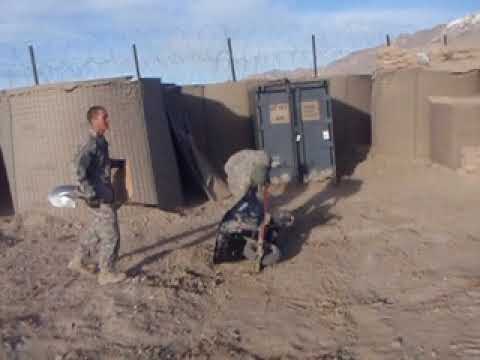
314, 124
275, 133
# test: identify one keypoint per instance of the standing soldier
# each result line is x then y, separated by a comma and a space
92, 167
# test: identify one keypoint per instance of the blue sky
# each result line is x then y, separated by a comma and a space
184, 41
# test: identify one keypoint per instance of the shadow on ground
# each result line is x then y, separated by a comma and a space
316, 211
208, 231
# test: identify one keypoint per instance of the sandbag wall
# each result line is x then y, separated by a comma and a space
401, 112
48, 123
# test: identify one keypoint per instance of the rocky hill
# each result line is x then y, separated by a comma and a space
463, 33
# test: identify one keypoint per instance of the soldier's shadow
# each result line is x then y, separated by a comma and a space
316, 211
164, 247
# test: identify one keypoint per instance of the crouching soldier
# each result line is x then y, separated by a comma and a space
241, 226
92, 167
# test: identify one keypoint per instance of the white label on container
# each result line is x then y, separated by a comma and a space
310, 110
326, 135
279, 113
275, 161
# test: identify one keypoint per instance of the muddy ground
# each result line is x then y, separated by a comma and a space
384, 266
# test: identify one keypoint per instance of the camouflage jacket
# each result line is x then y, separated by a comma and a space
92, 169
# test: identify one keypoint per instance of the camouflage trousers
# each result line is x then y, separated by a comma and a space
102, 237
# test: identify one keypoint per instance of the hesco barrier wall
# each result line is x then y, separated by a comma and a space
455, 123
351, 105
193, 100
187, 103
230, 125
400, 108
49, 123
353, 90
7, 175
221, 117
222, 114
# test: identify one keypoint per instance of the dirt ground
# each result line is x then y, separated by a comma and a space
383, 266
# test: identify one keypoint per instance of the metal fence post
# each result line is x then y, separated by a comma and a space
232, 62
388, 40
135, 58
34, 64
314, 51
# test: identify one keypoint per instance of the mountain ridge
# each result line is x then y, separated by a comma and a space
461, 33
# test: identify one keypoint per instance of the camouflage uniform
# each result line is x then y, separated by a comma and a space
246, 168
92, 166
244, 217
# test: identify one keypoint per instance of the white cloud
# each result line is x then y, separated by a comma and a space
186, 38
51, 18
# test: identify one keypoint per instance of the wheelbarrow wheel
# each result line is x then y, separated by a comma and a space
271, 256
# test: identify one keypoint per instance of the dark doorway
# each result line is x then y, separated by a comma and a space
6, 201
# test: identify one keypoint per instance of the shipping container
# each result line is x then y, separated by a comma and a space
294, 126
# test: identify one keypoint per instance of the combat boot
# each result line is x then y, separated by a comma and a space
106, 277
77, 265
